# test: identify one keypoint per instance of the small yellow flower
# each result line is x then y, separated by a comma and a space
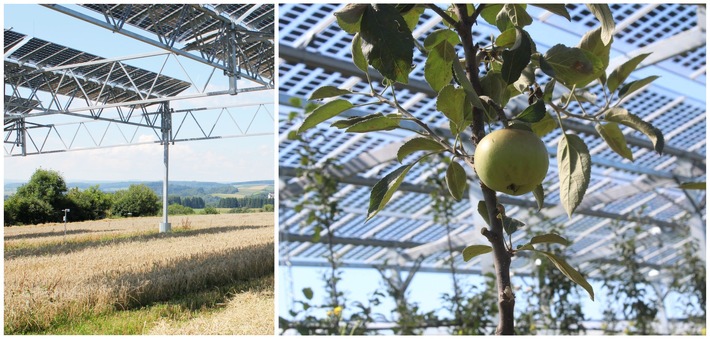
703, 331
337, 310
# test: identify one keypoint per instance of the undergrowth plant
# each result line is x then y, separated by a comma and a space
322, 211
474, 83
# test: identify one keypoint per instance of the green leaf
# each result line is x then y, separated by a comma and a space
473, 251
384, 189
295, 102
316, 234
490, 13
517, 124
533, 113
325, 112
526, 79
549, 90
517, 57
569, 272
622, 116
377, 122
456, 180
635, 86
506, 39
418, 144
292, 135
526, 247
441, 35
544, 126
518, 14
412, 16
452, 102
603, 14
471, 94
356, 50
571, 65
619, 75
693, 185
308, 293
345, 123
612, 135
328, 92
575, 166
437, 68
483, 211
349, 17
510, 225
592, 42
549, 238
558, 9
539, 194
494, 86
387, 42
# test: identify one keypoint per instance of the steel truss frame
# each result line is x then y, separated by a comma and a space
100, 90
29, 138
221, 41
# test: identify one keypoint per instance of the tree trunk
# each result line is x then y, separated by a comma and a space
502, 258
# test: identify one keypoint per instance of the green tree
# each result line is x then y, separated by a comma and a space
38, 201
24, 210
471, 94
177, 209
89, 204
210, 210
139, 200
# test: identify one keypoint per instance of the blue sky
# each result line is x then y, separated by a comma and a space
224, 160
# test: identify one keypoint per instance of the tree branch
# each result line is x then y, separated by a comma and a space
502, 258
445, 16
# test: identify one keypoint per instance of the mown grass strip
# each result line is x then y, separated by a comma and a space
140, 321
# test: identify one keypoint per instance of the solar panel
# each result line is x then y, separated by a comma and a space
24, 67
199, 29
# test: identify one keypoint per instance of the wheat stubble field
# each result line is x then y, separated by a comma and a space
212, 275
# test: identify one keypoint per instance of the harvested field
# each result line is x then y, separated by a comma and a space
124, 264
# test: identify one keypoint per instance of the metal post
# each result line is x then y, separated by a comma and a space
23, 136
166, 128
65, 224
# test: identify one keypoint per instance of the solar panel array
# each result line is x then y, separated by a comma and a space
316, 52
197, 27
24, 67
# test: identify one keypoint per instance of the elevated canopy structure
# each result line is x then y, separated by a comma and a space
237, 38
315, 52
57, 96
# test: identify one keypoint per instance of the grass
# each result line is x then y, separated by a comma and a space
176, 315
124, 272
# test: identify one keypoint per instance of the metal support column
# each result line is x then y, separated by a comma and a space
166, 129
22, 134
231, 59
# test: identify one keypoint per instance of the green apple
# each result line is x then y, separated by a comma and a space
511, 161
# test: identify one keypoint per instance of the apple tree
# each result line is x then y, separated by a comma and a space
474, 84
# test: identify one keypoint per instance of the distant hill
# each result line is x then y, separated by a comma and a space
180, 188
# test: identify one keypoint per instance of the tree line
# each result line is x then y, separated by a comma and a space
45, 196
255, 201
